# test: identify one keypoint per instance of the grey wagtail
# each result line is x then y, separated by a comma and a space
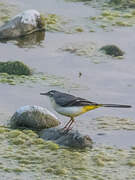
71, 106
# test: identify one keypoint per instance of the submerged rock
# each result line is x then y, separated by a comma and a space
33, 117
71, 139
112, 50
33, 40
15, 67
23, 24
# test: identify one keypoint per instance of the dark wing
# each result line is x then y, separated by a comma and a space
80, 102
67, 100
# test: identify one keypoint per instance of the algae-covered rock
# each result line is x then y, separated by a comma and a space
23, 24
123, 3
112, 50
71, 139
33, 40
33, 117
14, 67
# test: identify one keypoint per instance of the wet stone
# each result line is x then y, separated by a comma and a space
22, 24
72, 138
33, 117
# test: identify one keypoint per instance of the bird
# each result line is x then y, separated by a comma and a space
72, 106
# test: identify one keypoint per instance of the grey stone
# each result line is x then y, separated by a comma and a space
33, 117
23, 24
71, 138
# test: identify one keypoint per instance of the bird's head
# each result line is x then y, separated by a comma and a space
49, 93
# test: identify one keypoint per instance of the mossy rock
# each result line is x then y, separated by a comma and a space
123, 3
22, 24
33, 117
15, 67
112, 50
116, 1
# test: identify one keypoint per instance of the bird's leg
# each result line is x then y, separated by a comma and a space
69, 124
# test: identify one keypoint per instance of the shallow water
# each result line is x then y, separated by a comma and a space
110, 80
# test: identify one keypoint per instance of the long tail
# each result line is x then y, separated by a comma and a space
116, 105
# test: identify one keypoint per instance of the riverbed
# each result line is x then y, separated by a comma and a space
91, 75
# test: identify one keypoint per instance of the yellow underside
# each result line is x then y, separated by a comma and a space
90, 107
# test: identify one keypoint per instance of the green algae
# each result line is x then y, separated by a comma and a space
54, 23
61, 172
114, 123
52, 146
123, 3
40, 78
109, 18
131, 163
7, 11
92, 51
79, 29
61, 163
57, 23
87, 49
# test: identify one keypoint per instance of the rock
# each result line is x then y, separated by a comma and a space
33, 40
123, 3
23, 24
112, 50
33, 117
15, 67
71, 139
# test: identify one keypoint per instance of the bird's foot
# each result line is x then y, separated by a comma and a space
66, 130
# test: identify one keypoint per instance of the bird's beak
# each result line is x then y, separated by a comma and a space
46, 94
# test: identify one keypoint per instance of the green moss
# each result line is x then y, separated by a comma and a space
25, 161
7, 169
79, 29
122, 23
110, 17
18, 170
75, 178
112, 50
15, 67
3, 129
30, 133
7, 10
127, 15
106, 13
53, 22
18, 141
39, 141
116, 1
123, 3
14, 133
52, 146
39, 78
62, 171
63, 163
49, 170
99, 162
131, 163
